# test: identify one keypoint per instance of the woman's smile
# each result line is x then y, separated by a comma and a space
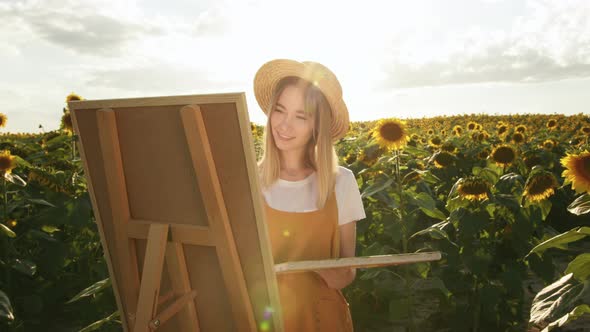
284, 138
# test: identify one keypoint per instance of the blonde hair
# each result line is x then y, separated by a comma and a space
321, 155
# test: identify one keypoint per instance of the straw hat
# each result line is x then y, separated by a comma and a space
269, 75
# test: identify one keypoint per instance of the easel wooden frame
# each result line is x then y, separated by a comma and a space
165, 241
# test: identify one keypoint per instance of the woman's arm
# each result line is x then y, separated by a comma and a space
339, 278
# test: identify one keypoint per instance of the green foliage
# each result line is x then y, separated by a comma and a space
53, 275
49, 244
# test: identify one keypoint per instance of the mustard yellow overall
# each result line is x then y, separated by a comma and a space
308, 303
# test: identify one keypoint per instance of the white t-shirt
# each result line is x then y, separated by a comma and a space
300, 196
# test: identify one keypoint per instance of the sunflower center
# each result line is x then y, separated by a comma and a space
504, 155
541, 185
435, 141
5, 163
443, 159
391, 132
586, 167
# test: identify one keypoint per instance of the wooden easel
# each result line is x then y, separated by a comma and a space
166, 240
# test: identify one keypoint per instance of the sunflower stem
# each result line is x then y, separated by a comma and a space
5, 240
409, 293
476, 305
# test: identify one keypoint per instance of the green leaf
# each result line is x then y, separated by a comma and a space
398, 308
6, 311
40, 202
91, 290
555, 300
11, 177
545, 206
578, 312
435, 231
431, 284
423, 200
21, 162
434, 213
510, 183
376, 187
422, 269
456, 203
580, 205
49, 229
580, 267
416, 151
489, 175
560, 240
24, 266
99, 323
7, 231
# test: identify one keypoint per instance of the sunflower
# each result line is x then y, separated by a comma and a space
540, 185
449, 147
430, 132
443, 159
471, 125
72, 96
483, 154
415, 137
518, 138
532, 160
391, 133
457, 130
484, 135
350, 158
520, 128
435, 142
503, 155
7, 162
502, 130
370, 154
2, 120
584, 130
548, 145
473, 188
552, 124
66, 122
577, 171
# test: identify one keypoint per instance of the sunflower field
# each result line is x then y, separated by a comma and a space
505, 199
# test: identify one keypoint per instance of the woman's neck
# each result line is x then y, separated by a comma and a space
293, 166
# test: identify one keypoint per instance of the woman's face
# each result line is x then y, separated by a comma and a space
291, 127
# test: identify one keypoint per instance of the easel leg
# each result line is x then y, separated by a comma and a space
151, 276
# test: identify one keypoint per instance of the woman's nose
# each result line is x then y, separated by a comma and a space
286, 122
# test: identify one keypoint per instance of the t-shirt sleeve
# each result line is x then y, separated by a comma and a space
350, 203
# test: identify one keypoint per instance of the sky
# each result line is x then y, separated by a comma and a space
403, 59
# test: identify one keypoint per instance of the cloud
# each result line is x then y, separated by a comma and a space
552, 43
157, 78
85, 28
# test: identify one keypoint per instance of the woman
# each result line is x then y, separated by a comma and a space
311, 203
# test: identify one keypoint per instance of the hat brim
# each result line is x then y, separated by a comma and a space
272, 72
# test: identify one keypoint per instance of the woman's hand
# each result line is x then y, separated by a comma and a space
337, 278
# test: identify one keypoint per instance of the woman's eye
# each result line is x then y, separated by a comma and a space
301, 118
